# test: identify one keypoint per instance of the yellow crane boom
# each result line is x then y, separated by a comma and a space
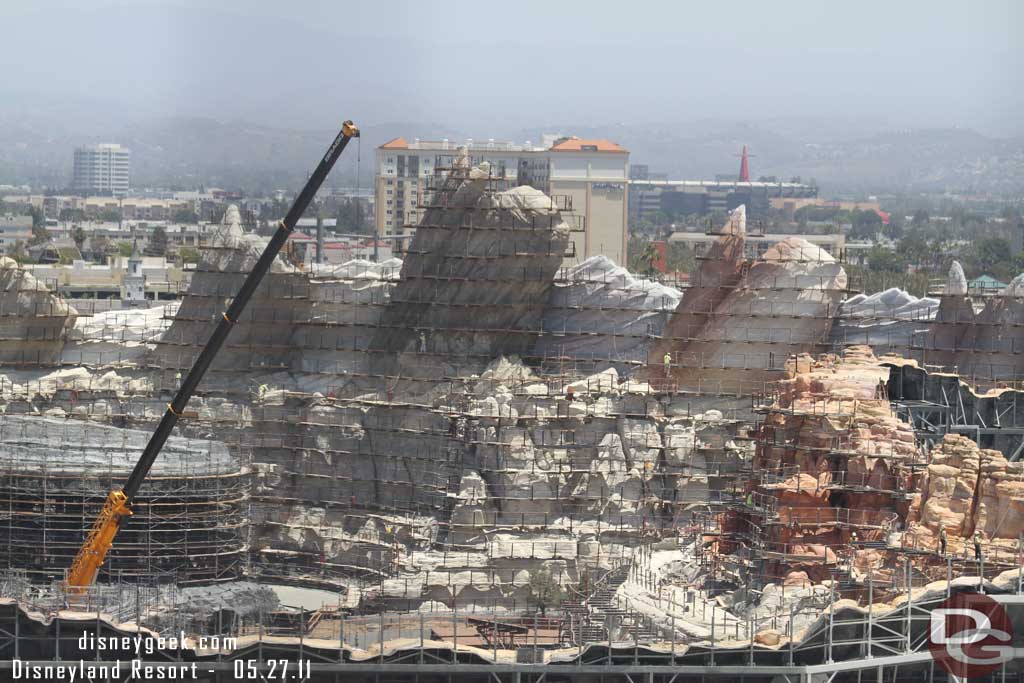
118, 506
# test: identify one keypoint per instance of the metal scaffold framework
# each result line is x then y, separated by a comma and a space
421, 436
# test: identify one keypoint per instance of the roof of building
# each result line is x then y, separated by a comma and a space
575, 144
569, 144
985, 282
23, 222
311, 223
717, 184
832, 238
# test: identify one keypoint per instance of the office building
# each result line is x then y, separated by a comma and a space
677, 198
102, 169
592, 173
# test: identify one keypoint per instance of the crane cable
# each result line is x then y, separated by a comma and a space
359, 154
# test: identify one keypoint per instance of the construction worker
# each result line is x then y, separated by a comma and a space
423, 342
943, 541
261, 392
977, 546
853, 538
667, 360
569, 393
750, 499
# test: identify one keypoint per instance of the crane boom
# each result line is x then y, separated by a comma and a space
117, 507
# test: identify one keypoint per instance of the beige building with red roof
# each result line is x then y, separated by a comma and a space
591, 173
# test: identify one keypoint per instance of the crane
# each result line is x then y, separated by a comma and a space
118, 505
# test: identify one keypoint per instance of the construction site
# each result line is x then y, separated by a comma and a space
479, 463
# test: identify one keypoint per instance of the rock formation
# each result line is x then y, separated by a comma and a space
978, 339
601, 315
475, 280
740, 320
967, 489
34, 322
834, 461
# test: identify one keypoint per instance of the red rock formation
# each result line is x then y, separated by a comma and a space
833, 459
967, 489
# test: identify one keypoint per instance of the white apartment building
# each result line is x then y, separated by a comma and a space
102, 169
592, 173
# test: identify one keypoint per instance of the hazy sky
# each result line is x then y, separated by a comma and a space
512, 65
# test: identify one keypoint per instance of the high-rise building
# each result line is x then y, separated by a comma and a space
592, 173
102, 169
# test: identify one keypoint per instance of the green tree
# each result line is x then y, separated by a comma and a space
110, 215
186, 216
921, 217
992, 255
681, 258
894, 230
157, 242
354, 217
71, 215
649, 257
865, 224
18, 252
188, 255
78, 237
125, 248
635, 251
38, 218
655, 223
914, 247
100, 246
39, 235
544, 590
882, 260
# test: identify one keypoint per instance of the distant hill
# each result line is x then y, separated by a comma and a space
236, 153
910, 161
37, 149
36, 146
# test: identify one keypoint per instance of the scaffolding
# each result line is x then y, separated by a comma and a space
190, 524
819, 637
379, 451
